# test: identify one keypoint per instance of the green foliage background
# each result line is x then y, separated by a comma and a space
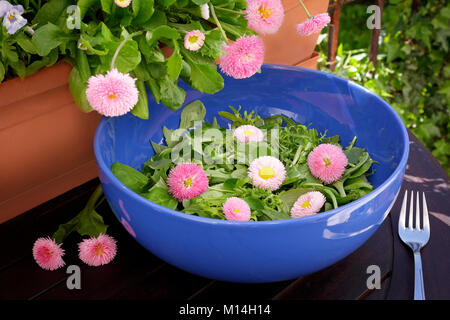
413, 72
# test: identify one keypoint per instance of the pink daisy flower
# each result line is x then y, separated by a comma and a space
113, 94
243, 58
267, 172
327, 162
194, 40
313, 24
264, 16
187, 180
236, 209
48, 254
97, 251
308, 204
248, 133
122, 3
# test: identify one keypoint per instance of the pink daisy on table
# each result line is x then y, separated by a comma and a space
243, 58
194, 40
264, 16
187, 180
327, 162
97, 251
308, 204
48, 254
267, 173
122, 3
236, 209
248, 133
313, 24
113, 94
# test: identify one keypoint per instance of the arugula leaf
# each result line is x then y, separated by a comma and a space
78, 89
194, 111
49, 37
203, 77
141, 108
162, 197
275, 215
130, 177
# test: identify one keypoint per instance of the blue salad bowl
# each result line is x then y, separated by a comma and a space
263, 251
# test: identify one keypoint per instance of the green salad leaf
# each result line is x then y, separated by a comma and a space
226, 163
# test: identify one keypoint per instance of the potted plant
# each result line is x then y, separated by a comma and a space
153, 42
285, 46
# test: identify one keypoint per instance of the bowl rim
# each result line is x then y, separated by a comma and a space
308, 219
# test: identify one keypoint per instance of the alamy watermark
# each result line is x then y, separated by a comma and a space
74, 17
214, 146
74, 280
374, 280
374, 21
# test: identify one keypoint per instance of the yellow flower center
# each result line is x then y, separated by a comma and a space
112, 95
187, 182
248, 132
236, 211
98, 251
265, 12
48, 253
193, 39
266, 173
305, 204
326, 161
246, 58
11, 17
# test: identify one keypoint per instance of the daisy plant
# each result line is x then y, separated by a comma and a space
171, 40
263, 169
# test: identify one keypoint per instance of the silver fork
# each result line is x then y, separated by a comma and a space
416, 238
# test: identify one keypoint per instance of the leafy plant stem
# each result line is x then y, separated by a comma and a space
339, 185
230, 11
216, 21
220, 190
126, 38
98, 192
306, 10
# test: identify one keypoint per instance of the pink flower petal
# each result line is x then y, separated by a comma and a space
194, 40
48, 254
264, 16
313, 25
243, 58
97, 251
308, 204
327, 162
267, 173
113, 94
248, 133
236, 209
187, 180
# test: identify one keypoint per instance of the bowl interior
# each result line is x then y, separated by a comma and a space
325, 102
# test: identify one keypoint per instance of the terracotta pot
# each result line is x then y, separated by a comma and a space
46, 141
285, 46
310, 63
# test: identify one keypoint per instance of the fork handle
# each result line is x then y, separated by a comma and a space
419, 292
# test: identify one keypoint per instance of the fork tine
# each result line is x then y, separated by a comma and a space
411, 211
426, 221
417, 211
401, 222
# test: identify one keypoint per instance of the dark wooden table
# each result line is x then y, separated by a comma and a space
137, 274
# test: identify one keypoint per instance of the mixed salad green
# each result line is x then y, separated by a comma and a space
226, 164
